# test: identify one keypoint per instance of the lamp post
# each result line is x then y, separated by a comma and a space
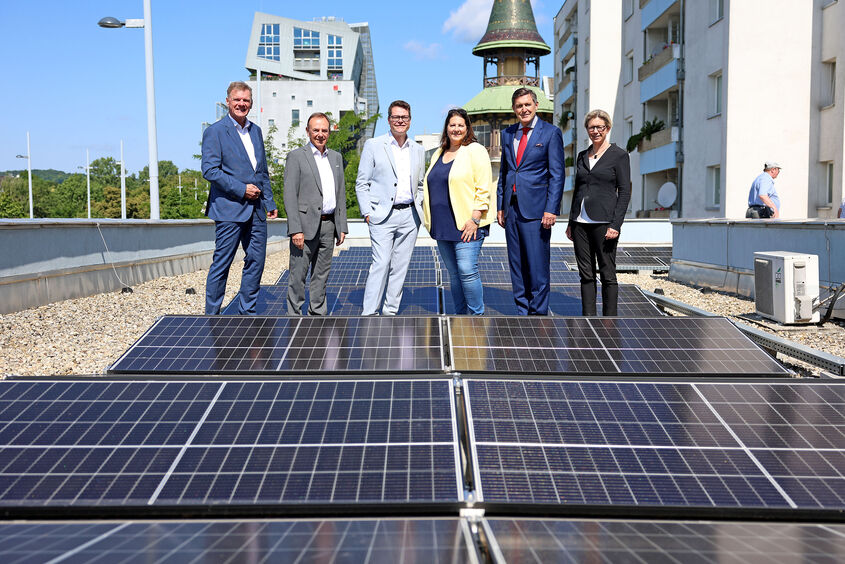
28, 157
122, 184
147, 24
88, 179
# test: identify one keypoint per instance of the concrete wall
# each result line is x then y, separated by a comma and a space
46, 261
719, 253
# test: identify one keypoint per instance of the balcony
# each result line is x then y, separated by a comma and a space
670, 51
567, 78
659, 139
569, 137
664, 157
568, 47
567, 93
652, 10
511, 80
661, 80
306, 65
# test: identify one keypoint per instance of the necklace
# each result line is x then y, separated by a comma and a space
596, 155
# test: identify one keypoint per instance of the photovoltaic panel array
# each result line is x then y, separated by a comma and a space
687, 448
365, 541
200, 444
608, 345
344, 300
541, 541
298, 345
564, 299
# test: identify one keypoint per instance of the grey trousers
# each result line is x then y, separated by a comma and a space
392, 242
316, 254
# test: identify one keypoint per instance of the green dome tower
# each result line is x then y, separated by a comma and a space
511, 47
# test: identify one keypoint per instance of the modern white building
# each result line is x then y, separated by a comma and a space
768, 66
298, 68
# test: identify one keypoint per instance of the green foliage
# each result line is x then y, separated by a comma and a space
14, 199
49, 174
648, 129
568, 162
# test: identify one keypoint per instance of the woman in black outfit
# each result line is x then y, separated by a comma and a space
602, 193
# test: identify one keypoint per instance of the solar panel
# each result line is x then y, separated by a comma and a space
272, 300
656, 542
567, 445
299, 443
607, 345
564, 299
271, 345
365, 541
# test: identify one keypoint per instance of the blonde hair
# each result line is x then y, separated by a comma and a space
602, 115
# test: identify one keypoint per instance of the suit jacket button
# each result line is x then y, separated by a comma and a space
396, 184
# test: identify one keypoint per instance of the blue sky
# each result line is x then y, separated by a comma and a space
74, 85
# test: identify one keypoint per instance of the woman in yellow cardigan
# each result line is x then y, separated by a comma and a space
459, 206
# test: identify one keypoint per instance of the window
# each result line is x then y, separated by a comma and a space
587, 50
335, 55
629, 8
716, 94
629, 128
305, 38
482, 133
717, 10
829, 182
828, 93
293, 96
268, 42
310, 103
629, 68
274, 94
271, 123
294, 118
714, 186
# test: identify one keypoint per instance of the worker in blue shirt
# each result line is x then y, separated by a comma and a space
763, 200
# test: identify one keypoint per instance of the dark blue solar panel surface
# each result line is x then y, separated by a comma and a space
541, 541
564, 299
249, 344
177, 542
573, 443
243, 443
344, 300
610, 345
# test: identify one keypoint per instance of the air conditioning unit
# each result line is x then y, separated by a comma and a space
786, 286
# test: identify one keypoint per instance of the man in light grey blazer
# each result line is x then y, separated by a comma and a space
315, 201
389, 190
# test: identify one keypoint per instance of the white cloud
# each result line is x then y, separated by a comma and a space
423, 51
469, 21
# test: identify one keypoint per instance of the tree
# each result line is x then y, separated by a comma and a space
344, 139
11, 202
276, 168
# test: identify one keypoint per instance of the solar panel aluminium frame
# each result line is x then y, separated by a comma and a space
297, 322
787, 513
203, 428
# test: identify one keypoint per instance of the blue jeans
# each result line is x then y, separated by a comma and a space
462, 263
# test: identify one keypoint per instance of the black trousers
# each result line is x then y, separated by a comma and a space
590, 248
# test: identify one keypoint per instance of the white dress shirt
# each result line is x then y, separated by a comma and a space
324, 167
402, 158
518, 135
243, 133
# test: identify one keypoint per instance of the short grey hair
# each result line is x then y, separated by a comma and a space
522, 91
238, 85
602, 115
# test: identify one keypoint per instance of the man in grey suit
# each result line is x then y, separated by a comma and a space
388, 187
315, 201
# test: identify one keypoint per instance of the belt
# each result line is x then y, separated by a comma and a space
327, 217
401, 206
758, 206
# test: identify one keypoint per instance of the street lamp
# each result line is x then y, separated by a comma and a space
28, 157
147, 24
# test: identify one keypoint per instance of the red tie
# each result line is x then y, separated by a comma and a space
523, 142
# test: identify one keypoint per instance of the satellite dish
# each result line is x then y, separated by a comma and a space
667, 194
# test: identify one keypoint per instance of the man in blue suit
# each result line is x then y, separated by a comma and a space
388, 187
239, 199
529, 193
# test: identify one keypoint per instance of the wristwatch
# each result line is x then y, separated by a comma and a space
476, 221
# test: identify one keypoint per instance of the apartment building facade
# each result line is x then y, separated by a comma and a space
298, 68
682, 68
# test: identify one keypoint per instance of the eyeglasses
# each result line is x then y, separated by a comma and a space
599, 128
399, 119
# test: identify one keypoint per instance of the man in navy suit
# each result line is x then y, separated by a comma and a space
529, 194
239, 199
